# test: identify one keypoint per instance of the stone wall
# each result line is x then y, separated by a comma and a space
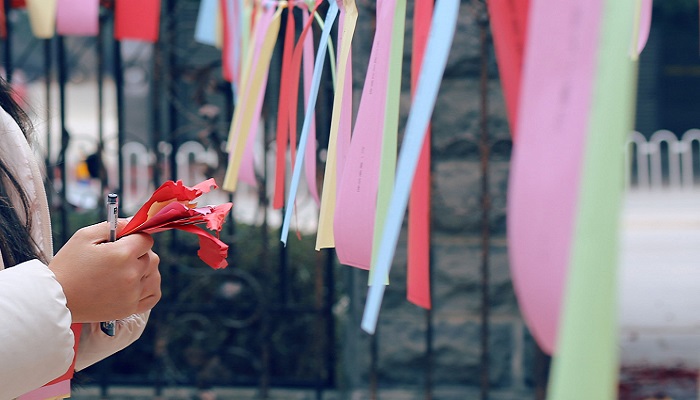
456, 246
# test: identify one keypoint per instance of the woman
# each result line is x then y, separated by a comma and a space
87, 281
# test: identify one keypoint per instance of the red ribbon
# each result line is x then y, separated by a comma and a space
283, 110
509, 27
418, 265
288, 103
137, 20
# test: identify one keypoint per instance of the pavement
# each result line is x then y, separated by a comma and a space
659, 279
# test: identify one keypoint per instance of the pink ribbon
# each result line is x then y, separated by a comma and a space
357, 189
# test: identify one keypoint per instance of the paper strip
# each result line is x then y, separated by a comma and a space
442, 31
237, 146
310, 108
291, 105
236, 54
77, 17
3, 21
205, 30
508, 19
310, 156
304, 49
136, 19
547, 158
247, 172
341, 125
642, 26
247, 18
42, 17
229, 38
356, 201
586, 363
387, 163
418, 260
250, 64
284, 126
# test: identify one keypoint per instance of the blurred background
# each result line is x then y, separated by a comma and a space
284, 322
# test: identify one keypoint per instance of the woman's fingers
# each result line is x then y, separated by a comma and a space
107, 280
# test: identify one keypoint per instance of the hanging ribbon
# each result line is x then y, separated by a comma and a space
341, 126
310, 156
442, 31
78, 17
3, 21
309, 115
235, 40
262, 25
418, 260
228, 37
356, 201
247, 15
387, 163
231, 42
642, 26
586, 363
508, 19
283, 111
547, 160
242, 120
247, 173
300, 52
42, 17
205, 31
136, 19
308, 63
303, 51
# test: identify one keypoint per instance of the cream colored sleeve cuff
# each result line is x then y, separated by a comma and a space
95, 345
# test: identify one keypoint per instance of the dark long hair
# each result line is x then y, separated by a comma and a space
16, 243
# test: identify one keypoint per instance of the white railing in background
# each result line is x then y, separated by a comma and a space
191, 162
189, 156
664, 161
138, 160
137, 174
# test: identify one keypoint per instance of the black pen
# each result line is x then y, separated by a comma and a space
112, 214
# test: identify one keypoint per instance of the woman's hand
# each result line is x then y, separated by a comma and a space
105, 280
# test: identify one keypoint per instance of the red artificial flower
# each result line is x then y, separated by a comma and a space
173, 206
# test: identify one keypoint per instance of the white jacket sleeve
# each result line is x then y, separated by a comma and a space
95, 345
36, 343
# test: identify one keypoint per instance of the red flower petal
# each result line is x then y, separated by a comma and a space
216, 218
172, 207
211, 250
167, 193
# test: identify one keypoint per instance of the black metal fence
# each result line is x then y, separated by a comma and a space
266, 322
243, 326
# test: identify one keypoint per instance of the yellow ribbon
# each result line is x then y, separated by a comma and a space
324, 237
